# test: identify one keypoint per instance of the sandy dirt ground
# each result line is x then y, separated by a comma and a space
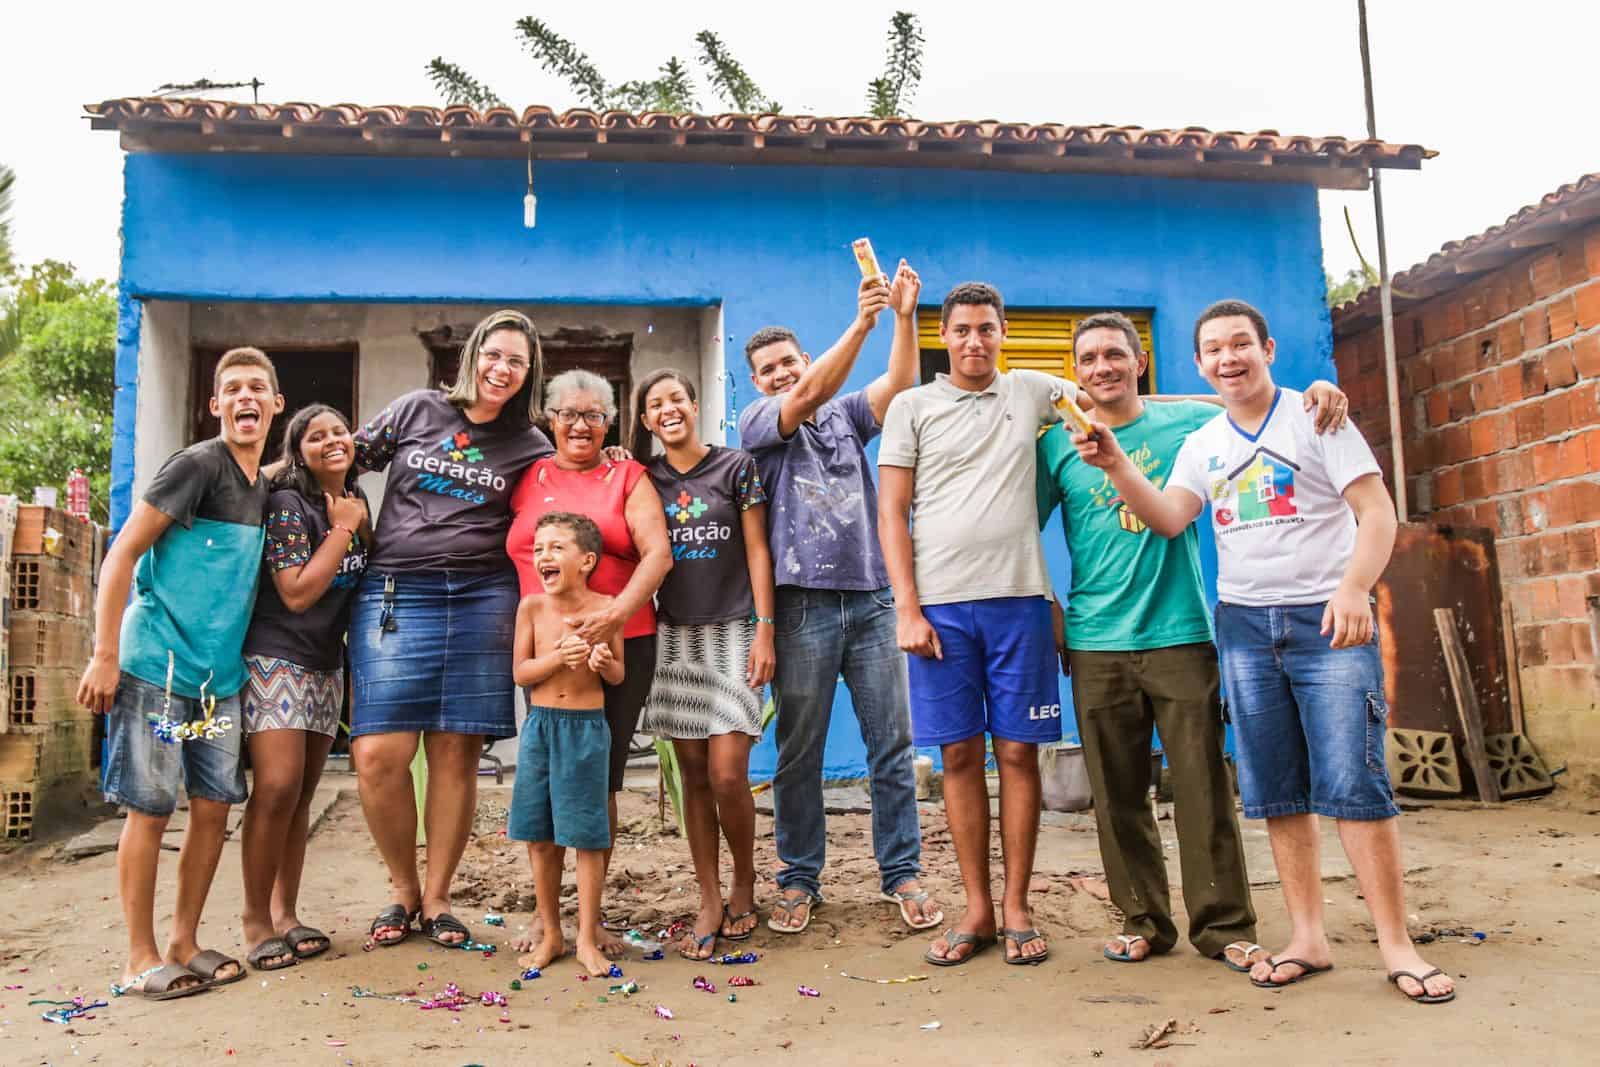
1524, 874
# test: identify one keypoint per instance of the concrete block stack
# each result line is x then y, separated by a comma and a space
47, 560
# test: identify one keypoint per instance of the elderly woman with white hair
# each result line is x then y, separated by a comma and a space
635, 554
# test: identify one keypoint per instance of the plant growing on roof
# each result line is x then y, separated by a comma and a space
889, 96
672, 91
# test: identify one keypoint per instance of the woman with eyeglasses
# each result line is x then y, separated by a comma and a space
430, 635
635, 556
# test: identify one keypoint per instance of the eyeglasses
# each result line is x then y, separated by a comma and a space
489, 355
570, 417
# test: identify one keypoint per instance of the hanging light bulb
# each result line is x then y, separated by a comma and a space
530, 203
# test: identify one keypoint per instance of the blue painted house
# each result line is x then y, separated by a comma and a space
357, 245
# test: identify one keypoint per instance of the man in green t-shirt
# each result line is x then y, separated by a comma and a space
1135, 639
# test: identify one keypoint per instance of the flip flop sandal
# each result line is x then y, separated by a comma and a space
445, 923
395, 915
954, 939
701, 943
787, 905
1247, 949
272, 948
1307, 970
1020, 938
1423, 997
728, 919
156, 984
915, 896
209, 962
307, 933
1126, 956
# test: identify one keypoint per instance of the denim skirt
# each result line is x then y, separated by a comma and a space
431, 651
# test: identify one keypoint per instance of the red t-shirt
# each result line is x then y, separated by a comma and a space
602, 495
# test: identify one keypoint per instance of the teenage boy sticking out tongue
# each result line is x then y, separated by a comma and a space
168, 667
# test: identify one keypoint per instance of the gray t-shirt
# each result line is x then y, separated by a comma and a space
975, 528
447, 503
823, 516
710, 577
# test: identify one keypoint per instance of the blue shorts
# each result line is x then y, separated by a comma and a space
1308, 720
143, 772
563, 779
999, 673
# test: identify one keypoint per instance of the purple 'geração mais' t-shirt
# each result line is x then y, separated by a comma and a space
447, 503
822, 517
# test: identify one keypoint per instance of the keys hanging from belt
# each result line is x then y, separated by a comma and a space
386, 623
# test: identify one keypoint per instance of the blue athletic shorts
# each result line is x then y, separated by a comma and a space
563, 779
999, 673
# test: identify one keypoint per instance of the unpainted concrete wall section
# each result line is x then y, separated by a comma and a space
164, 386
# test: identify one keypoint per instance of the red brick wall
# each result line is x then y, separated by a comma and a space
1500, 418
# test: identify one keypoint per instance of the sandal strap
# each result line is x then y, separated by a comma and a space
1022, 937
446, 922
1127, 940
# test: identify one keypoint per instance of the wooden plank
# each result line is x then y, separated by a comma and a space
1455, 661
1508, 630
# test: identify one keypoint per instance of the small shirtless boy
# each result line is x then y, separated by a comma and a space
563, 759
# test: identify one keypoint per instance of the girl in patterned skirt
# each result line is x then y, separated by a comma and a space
715, 646
316, 550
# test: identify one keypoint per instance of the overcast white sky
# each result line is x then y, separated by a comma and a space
1503, 91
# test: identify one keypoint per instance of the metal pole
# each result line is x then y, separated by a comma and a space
1391, 371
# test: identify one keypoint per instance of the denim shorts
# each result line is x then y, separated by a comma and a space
433, 653
999, 673
560, 792
1308, 720
143, 772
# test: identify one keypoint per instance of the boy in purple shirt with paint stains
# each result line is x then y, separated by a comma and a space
835, 610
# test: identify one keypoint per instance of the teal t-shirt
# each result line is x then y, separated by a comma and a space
1131, 589
193, 591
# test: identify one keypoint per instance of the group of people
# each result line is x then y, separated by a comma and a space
661, 588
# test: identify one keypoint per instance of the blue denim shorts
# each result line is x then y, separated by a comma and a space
999, 673
143, 772
1308, 720
563, 779
433, 654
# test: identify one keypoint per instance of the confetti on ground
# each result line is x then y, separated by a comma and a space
884, 981
807, 991
663, 1012
741, 980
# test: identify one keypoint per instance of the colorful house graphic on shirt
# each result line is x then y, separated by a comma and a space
1265, 486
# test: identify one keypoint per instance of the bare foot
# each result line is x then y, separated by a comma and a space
530, 937
1407, 960
612, 946
547, 952
593, 959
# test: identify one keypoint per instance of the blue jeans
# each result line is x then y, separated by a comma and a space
143, 772
821, 634
1308, 720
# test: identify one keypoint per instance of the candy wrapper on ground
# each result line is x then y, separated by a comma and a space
807, 991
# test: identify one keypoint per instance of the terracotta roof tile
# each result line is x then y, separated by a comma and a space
457, 130
1557, 213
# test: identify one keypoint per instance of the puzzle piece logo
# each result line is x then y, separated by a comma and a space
459, 448
686, 507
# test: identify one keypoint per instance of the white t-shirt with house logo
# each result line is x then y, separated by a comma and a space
1284, 532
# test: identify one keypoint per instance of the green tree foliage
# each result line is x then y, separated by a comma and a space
459, 87
8, 178
1356, 281
889, 95
57, 370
